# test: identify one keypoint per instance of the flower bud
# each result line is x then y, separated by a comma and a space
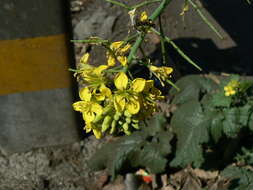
106, 123
116, 117
135, 120
113, 127
127, 114
135, 125
128, 120
125, 127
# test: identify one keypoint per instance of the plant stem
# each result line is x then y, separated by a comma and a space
178, 50
119, 4
145, 3
164, 57
205, 19
141, 37
90, 41
172, 84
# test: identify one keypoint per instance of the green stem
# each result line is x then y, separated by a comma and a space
145, 3
90, 41
141, 37
205, 19
74, 70
172, 84
119, 4
178, 49
164, 57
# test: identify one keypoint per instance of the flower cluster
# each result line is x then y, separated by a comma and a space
111, 100
231, 88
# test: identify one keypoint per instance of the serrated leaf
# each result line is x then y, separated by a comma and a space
190, 88
216, 127
155, 124
114, 155
220, 100
146, 148
231, 123
245, 113
242, 179
151, 158
153, 153
251, 122
191, 128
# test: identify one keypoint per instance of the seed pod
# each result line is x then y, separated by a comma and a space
113, 127
106, 123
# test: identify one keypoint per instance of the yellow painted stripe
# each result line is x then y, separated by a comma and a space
34, 64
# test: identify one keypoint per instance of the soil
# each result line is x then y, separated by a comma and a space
51, 168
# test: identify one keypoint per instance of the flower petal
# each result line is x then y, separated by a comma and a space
85, 58
121, 81
167, 70
111, 61
96, 108
105, 91
144, 16
79, 106
88, 127
125, 48
97, 71
122, 60
116, 45
138, 84
88, 116
119, 103
85, 94
97, 133
133, 106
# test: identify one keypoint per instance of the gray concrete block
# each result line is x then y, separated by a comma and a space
36, 119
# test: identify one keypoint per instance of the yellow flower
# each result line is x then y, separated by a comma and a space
96, 80
231, 88
162, 73
149, 97
88, 108
92, 127
144, 16
118, 49
85, 58
101, 93
128, 97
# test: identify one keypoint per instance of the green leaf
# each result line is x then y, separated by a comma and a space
235, 119
190, 88
191, 128
114, 155
146, 148
216, 127
220, 100
242, 179
245, 156
231, 125
151, 158
155, 124
251, 122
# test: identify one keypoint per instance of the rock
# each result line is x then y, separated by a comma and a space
98, 24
